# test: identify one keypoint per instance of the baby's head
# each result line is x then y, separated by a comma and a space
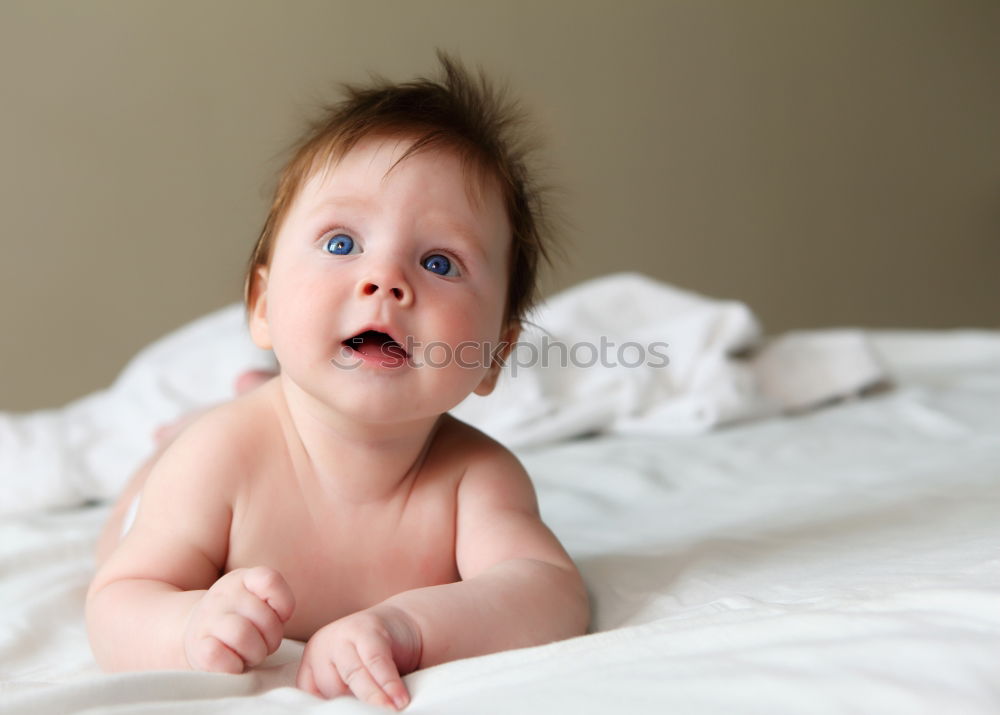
407, 213
459, 114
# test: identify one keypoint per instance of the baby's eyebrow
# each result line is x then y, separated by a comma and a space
468, 236
353, 203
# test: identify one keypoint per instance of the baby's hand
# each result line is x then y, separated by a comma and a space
364, 654
239, 621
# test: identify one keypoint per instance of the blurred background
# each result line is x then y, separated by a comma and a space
830, 163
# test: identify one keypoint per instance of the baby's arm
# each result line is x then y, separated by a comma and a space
519, 588
158, 601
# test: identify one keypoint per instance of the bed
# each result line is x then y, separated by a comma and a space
841, 556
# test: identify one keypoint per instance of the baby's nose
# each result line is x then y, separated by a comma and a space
394, 287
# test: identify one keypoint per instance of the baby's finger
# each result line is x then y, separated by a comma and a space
240, 635
377, 657
325, 679
305, 680
211, 655
263, 618
356, 675
397, 692
270, 586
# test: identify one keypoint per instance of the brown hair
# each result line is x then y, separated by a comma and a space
458, 112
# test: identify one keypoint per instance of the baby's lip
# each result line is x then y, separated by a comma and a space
375, 332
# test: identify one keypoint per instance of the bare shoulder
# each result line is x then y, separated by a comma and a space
490, 471
227, 438
181, 531
497, 511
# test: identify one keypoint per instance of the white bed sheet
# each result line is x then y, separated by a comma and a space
846, 560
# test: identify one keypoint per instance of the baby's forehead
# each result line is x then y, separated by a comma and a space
375, 159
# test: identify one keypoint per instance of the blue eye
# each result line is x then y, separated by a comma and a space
340, 245
439, 264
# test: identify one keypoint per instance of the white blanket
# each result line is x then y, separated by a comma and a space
841, 561
627, 354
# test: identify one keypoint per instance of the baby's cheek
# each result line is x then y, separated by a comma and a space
298, 334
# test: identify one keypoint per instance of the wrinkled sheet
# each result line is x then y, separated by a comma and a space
842, 560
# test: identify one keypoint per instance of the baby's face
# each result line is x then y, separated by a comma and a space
408, 253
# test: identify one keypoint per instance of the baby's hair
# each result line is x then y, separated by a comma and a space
460, 113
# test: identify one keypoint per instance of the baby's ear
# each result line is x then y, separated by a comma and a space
507, 341
257, 310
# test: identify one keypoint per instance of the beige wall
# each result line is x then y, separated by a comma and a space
829, 163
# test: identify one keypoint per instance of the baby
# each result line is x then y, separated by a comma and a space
338, 503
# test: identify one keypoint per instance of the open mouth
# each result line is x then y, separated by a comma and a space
378, 346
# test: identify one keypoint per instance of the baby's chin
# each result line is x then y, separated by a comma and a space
384, 397
383, 405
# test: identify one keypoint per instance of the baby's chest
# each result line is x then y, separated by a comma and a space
337, 564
